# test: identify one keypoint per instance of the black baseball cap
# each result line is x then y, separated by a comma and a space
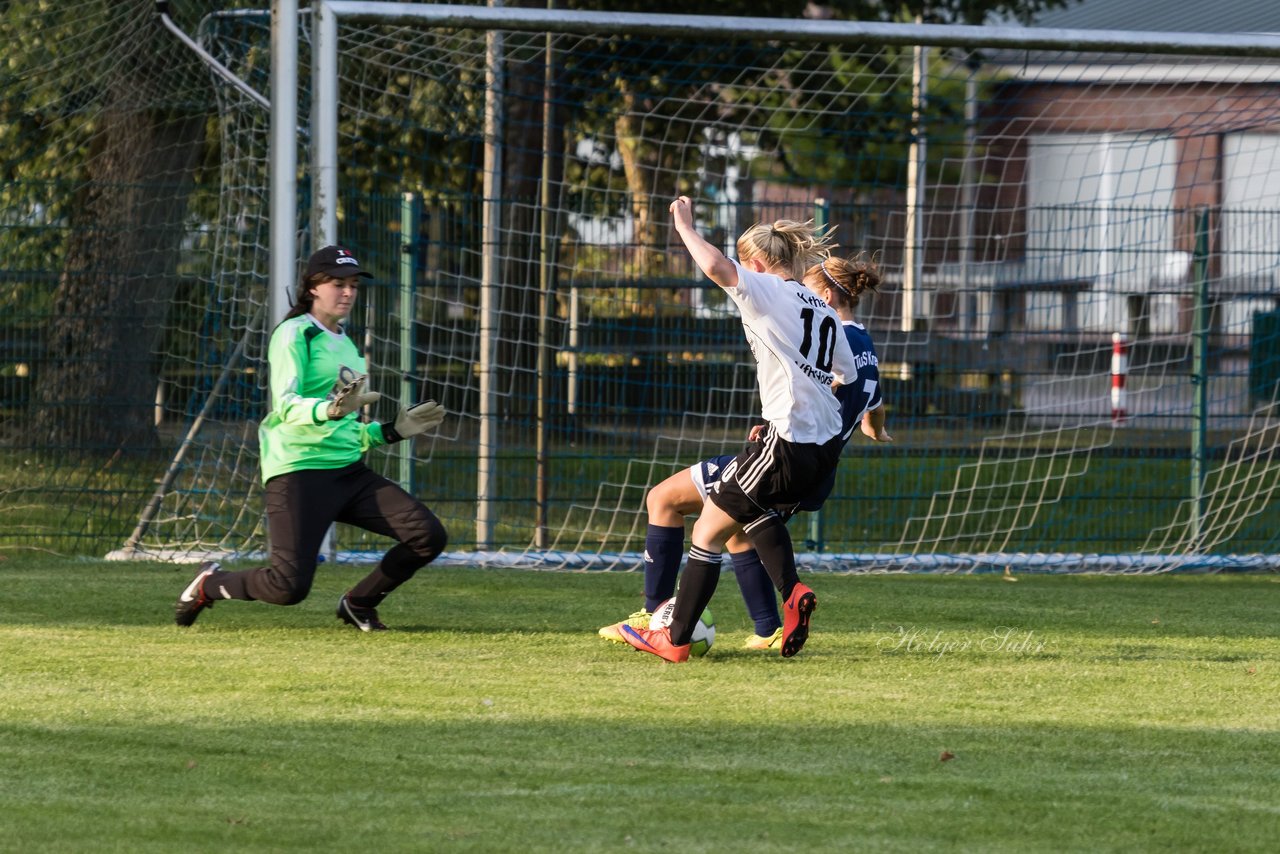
334, 261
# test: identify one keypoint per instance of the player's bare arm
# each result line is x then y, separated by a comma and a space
873, 425
709, 259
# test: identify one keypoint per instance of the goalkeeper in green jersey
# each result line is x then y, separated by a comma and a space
312, 444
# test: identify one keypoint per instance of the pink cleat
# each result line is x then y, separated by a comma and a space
799, 607
656, 641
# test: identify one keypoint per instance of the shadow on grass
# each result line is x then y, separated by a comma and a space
488, 601
593, 782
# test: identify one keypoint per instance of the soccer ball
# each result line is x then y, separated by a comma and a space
704, 634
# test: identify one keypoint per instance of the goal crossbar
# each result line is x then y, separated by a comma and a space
842, 32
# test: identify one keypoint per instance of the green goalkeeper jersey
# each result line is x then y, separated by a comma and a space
308, 364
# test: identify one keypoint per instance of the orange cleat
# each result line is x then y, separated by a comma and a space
656, 641
799, 607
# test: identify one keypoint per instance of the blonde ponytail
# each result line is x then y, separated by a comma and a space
785, 246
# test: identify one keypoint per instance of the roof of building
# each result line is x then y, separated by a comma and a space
1181, 17
1170, 16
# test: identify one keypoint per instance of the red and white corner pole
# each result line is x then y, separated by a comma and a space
1119, 370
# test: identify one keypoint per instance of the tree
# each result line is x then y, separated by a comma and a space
97, 108
661, 100
935, 11
105, 131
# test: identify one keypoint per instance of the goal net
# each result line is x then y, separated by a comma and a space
1077, 333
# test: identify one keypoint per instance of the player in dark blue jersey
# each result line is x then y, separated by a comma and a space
841, 282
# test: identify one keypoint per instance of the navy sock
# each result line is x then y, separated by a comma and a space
663, 548
697, 586
757, 592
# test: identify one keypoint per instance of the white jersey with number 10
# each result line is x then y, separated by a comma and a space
800, 350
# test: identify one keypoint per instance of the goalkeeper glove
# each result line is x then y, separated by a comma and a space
413, 420
351, 397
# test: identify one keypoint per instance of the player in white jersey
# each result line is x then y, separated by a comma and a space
799, 351
841, 283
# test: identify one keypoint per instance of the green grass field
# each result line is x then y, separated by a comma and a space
926, 713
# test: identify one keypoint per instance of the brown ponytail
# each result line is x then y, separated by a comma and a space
303, 299
849, 277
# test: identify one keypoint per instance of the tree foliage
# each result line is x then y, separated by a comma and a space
109, 150
102, 134
661, 98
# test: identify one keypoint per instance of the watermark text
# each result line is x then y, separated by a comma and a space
1007, 640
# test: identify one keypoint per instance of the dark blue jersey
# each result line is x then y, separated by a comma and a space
864, 393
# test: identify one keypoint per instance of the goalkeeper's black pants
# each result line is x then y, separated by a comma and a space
301, 506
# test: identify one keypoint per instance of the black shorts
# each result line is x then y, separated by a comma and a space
775, 476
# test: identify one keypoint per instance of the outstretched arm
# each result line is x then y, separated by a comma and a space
413, 420
709, 259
